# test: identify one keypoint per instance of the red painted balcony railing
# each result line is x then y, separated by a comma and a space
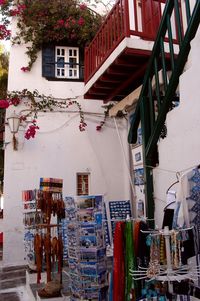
127, 18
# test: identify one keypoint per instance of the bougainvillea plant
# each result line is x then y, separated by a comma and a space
40, 22
35, 103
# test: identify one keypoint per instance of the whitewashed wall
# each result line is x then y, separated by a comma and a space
59, 150
181, 149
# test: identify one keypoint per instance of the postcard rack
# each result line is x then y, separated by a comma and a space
86, 248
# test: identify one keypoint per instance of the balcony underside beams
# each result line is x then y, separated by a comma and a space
123, 76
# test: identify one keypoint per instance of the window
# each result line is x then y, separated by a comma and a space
82, 184
67, 62
62, 63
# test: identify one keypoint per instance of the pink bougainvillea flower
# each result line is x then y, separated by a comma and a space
81, 21
2, 2
4, 32
98, 127
61, 22
22, 118
67, 24
73, 21
21, 7
14, 101
17, 11
4, 103
83, 6
31, 131
82, 126
14, 12
25, 69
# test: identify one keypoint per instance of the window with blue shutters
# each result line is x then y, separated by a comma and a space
62, 63
48, 62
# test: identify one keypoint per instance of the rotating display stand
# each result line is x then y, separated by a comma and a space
173, 270
86, 248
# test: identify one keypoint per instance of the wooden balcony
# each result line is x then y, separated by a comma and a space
116, 59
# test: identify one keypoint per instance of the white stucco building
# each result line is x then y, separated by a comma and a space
59, 149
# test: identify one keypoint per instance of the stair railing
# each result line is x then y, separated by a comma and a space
158, 93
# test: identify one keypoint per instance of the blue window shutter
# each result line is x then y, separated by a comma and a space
48, 61
81, 65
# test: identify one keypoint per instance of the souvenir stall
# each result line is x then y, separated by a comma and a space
43, 210
115, 211
161, 264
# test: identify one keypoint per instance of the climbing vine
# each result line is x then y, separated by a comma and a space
36, 102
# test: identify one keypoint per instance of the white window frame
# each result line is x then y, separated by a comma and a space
65, 72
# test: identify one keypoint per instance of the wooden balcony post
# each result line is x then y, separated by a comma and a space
126, 18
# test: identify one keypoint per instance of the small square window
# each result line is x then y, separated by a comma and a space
82, 184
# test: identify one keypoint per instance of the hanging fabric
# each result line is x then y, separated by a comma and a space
181, 213
38, 247
143, 254
129, 261
187, 209
118, 263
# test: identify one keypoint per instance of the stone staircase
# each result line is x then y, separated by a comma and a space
12, 280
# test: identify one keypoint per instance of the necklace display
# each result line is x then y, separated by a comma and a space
165, 265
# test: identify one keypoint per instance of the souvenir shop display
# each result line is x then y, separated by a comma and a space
63, 233
86, 248
43, 211
116, 211
163, 263
166, 258
31, 217
149, 263
105, 227
51, 184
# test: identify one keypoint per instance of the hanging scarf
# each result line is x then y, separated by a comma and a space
118, 263
129, 261
136, 234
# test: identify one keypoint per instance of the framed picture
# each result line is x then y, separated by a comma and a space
139, 176
138, 157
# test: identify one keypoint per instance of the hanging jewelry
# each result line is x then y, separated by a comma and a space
154, 265
162, 251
